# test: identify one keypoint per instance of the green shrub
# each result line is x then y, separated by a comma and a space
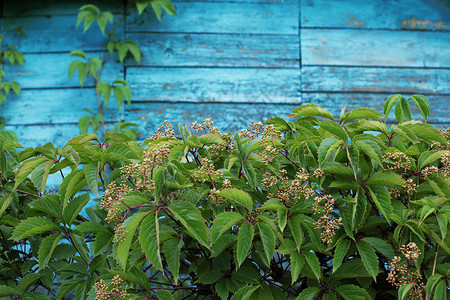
314, 208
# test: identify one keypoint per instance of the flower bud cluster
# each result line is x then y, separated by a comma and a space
429, 171
270, 151
217, 149
164, 130
119, 232
397, 161
402, 272
409, 188
446, 135
327, 223
207, 126
255, 130
112, 291
207, 172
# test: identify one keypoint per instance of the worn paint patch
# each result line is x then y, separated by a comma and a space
423, 24
353, 21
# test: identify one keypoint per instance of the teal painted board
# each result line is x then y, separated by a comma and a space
50, 106
352, 47
334, 102
13, 8
226, 116
376, 14
393, 80
234, 85
217, 50
49, 70
50, 34
221, 17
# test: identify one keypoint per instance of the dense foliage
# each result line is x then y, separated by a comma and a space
310, 208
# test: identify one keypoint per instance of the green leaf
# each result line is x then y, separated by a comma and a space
74, 207
190, 216
308, 294
7, 291
404, 290
72, 184
389, 103
78, 53
268, 241
296, 230
123, 247
328, 143
46, 249
353, 157
49, 204
443, 223
311, 110
164, 295
149, 238
67, 286
33, 226
297, 262
382, 199
222, 223
334, 128
340, 253
440, 291
27, 281
244, 242
429, 157
27, 167
352, 292
381, 246
369, 258
172, 249
372, 125
385, 179
371, 149
360, 113
83, 123
427, 132
432, 282
238, 196
422, 104
5, 201
134, 49
91, 172
210, 277
313, 263
141, 5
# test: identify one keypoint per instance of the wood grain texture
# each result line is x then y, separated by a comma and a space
334, 102
53, 107
42, 32
375, 48
217, 50
215, 85
51, 71
387, 80
379, 14
226, 116
221, 17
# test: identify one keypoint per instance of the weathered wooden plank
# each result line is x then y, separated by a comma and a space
388, 80
375, 48
334, 102
239, 1
226, 116
55, 106
215, 85
220, 17
51, 71
379, 14
57, 34
217, 50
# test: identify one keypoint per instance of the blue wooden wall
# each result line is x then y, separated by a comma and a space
232, 60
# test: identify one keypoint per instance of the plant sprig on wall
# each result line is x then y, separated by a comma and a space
92, 67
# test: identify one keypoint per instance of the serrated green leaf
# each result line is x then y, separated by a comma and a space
5, 201
190, 216
429, 157
46, 249
369, 258
210, 277
382, 199
74, 207
7, 291
72, 184
238, 197
328, 143
308, 294
294, 223
141, 5
149, 238
422, 104
386, 179
404, 290
381, 246
268, 241
372, 125
360, 113
371, 149
352, 292
340, 252
313, 263
297, 262
311, 110
164, 295
244, 242
27, 280
27, 167
33, 226
334, 128
91, 172
389, 103
172, 249
222, 223
123, 247
68, 286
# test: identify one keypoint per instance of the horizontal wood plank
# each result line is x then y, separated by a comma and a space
215, 85
55, 106
379, 14
13, 8
334, 102
56, 34
221, 17
226, 116
375, 48
51, 71
217, 50
387, 80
